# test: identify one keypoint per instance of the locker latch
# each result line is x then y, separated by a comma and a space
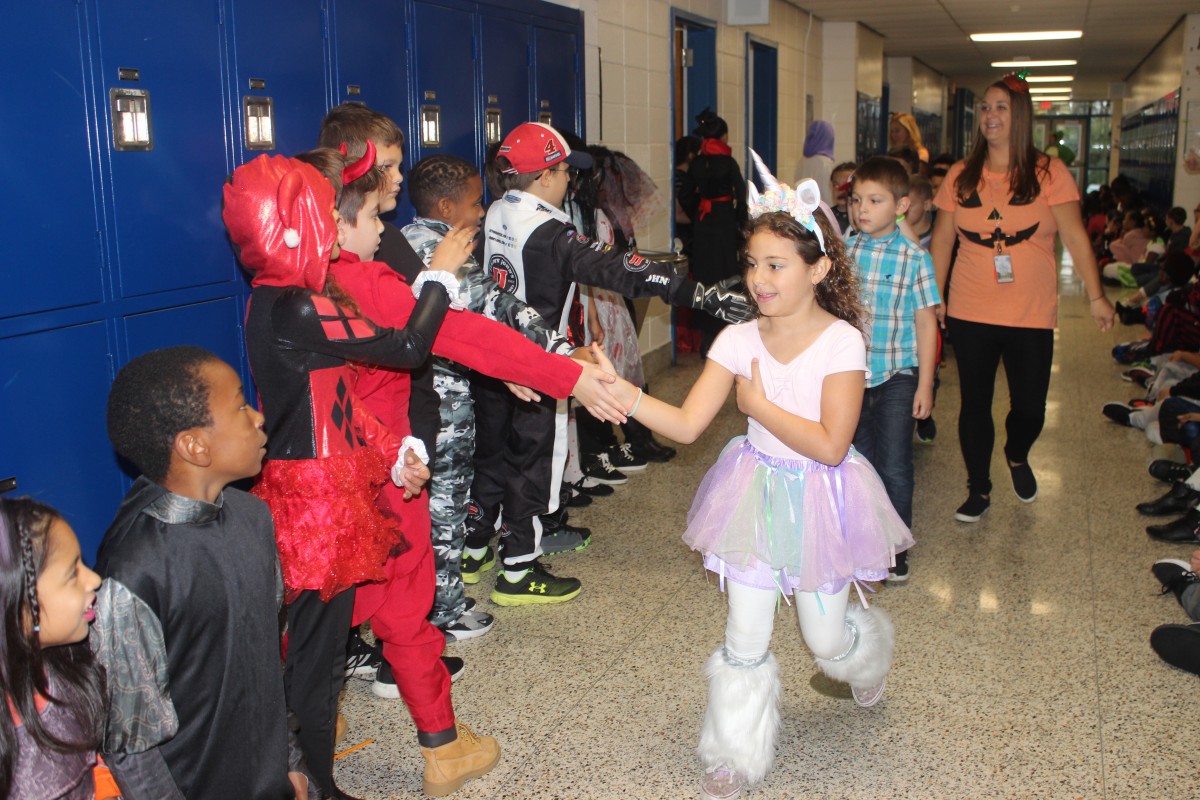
493, 125
131, 119
431, 126
259, 116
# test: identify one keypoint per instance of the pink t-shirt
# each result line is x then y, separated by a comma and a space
795, 386
1031, 299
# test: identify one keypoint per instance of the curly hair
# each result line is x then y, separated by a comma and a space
154, 397
438, 176
66, 675
838, 291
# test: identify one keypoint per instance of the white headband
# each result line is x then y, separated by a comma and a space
800, 202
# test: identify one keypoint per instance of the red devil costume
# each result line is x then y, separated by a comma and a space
328, 456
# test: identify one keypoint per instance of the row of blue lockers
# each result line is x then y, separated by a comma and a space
123, 118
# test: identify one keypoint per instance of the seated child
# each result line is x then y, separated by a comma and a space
54, 687
188, 619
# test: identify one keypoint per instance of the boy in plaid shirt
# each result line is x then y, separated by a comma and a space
900, 292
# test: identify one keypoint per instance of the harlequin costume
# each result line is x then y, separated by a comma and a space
328, 455
398, 607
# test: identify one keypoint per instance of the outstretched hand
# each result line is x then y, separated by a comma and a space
454, 249
750, 391
593, 389
523, 392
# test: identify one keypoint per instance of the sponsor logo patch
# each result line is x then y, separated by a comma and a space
635, 263
503, 273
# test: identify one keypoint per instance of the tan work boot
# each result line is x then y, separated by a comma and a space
448, 767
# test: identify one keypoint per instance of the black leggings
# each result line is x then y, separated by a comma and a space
978, 350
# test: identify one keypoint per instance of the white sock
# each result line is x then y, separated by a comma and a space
512, 576
475, 552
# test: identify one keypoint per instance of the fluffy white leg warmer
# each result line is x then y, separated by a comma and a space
741, 722
868, 660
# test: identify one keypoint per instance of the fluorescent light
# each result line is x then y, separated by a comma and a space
1065, 62
1049, 89
1051, 98
1026, 36
1049, 78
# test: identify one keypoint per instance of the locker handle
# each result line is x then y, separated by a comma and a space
545, 118
131, 119
431, 126
8, 485
258, 114
493, 125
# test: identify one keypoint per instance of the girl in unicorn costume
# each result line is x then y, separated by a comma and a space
790, 509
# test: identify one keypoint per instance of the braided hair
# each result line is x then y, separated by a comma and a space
65, 675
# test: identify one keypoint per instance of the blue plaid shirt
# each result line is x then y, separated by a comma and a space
897, 281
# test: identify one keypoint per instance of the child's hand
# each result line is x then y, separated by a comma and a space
583, 354
523, 392
1191, 416
299, 784
750, 392
410, 472
595, 391
1195, 562
601, 358
596, 329
923, 403
453, 251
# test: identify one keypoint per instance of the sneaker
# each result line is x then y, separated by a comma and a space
652, 450
1139, 375
362, 659
385, 683
601, 470
865, 698
592, 487
898, 573
565, 539
536, 587
569, 498
1118, 413
468, 625
473, 568
1178, 645
926, 430
1175, 575
1168, 471
975, 507
720, 783
623, 459
1023, 481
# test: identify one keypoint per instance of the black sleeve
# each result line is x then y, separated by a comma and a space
739, 197
596, 264
1189, 387
311, 322
688, 197
397, 253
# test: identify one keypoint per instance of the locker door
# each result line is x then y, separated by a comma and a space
55, 445
279, 56
213, 325
557, 69
370, 56
444, 71
50, 209
507, 77
166, 217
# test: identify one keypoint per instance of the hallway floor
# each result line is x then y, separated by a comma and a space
1022, 667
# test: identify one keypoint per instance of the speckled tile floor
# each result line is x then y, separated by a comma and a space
1022, 668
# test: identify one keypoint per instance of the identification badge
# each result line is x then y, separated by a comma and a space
1004, 273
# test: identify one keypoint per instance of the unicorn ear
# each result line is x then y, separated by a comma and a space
752, 195
768, 180
808, 195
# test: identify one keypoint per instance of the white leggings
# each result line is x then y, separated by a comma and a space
752, 618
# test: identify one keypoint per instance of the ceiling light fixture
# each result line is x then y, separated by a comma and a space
1026, 36
1049, 78
1049, 89
1063, 62
1051, 98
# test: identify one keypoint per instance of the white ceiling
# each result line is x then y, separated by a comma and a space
1117, 34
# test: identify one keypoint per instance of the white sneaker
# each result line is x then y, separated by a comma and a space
470, 624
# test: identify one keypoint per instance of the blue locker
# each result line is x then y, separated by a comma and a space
213, 325
507, 72
279, 55
444, 78
50, 209
52, 425
557, 73
166, 227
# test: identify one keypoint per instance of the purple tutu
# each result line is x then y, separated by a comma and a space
795, 524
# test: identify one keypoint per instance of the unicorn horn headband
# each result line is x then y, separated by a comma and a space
352, 172
799, 203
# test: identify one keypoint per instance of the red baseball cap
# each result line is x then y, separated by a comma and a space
534, 146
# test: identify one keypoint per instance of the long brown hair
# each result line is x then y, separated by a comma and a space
1024, 160
837, 292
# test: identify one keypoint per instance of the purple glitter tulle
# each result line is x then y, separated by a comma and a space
795, 524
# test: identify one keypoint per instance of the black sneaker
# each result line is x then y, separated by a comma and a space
601, 470
592, 487
472, 568
385, 683
975, 507
1118, 413
569, 498
362, 659
536, 587
1178, 645
1179, 499
564, 539
898, 573
1175, 575
1168, 471
926, 430
652, 450
624, 459
1024, 482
